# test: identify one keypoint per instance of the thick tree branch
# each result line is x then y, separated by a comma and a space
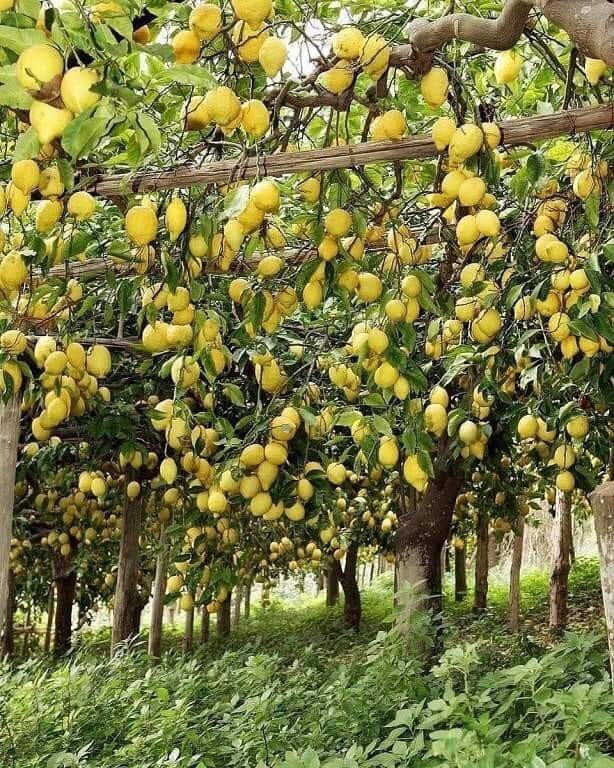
589, 24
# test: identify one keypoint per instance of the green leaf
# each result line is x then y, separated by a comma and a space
233, 393
535, 167
83, 134
26, 146
187, 74
17, 40
14, 96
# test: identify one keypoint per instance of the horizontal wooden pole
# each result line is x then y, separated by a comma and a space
516, 132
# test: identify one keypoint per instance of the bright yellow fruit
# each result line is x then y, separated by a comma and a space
272, 56
434, 86
255, 118
205, 20
75, 90
48, 122
38, 65
141, 224
507, 67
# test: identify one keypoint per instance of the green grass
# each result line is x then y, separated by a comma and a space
291, 689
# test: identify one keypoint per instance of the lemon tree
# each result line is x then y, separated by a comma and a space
278, 371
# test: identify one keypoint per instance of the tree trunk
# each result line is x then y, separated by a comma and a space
332, 585
480, 595
602, 503
320, 582
460, 573
514, 616
236, 614
9, 440
561, 562
223, 619
65, 578
352, 609
26, 633
188, 632
205, 625
423, 528
126, 608
248, 599
7, 646
157, 605
49, 625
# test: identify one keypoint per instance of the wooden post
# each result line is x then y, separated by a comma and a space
9, 440
514, 615
248, 599
188, 632
371, 571
157, 604
332, 585
480, 596
602, 503
205, 625
7, 646
126, 606
236, 615
561, 547
65, 578
49, 625
223, 619
460, 572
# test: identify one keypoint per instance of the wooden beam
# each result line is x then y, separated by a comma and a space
516, 132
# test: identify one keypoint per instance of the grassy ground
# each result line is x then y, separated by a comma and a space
292, 690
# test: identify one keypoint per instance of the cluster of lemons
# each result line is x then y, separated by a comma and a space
535, 434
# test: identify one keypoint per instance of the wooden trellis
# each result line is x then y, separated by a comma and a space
514, 133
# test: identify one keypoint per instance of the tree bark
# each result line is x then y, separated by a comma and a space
26, 633
514, 610
9, 440
65, 578
188, 631
589, 24
50, 610
352, 608
236, 613
561, 562
156, 624
7, 646
422, 530
127, 606
205, 625
248, 599
602, 503
480, 595
223, 619
460, 573
332, 585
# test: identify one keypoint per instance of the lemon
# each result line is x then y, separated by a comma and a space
336, 473
564, 456
296, 511
310, 190
337, 79
205, 20
254, 12
414, 474
507, 67
467, 231
98, 361
434, 87
75, 91
442, 132
348, 43
468, 432
375, 55
558, 326
223, 105
81, 205
471, 191
255, 118
186, 47
48, 122
249, 41
466, 141
565, 481
272, 56
527, 427
265, 196
435, 419
38, 65
141, 224
594, 69
25, 175
369, 287
577, 427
